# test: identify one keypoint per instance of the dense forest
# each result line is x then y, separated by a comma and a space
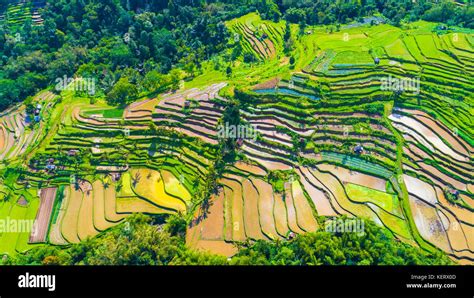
146, 240
131, 47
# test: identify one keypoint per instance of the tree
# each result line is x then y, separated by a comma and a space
268, 10
122, 93
288, 38
154, 80
175, 77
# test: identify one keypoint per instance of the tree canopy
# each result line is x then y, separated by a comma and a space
147, 240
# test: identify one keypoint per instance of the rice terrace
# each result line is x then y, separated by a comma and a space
367, 121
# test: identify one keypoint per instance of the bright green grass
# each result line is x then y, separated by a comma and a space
361, 193
23, 238
353, 58
394, 223
429, 49
9, 238
5, 245
385, 205
351, 39
412, 47
357, 163
398, 50
126, 189
58, 201
106, 113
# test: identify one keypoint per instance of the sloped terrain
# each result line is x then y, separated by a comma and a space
330, 139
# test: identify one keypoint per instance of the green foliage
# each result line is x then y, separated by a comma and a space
375, 247
176, 226
136, 242
278, 179
268, 10
111, 37
228, 71
140, 241
339, 12
122, 93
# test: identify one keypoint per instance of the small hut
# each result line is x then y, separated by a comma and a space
359, 149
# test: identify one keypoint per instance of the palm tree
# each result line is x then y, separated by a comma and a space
136, 179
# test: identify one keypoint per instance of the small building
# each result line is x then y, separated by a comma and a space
39, 106
359, 149
37, 118
240, 142
377, 60
72, 152
116, 176
454, 192
291, 235
50, 167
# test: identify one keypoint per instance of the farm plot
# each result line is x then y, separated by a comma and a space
315, 191
99, 219
175, 187
69, 226
110, 201
191, 113
386, 201
352, 59
396, 224
429, 49
280, 214
15, 136
421, 131
443, 132
213, 225
55, 235
290, 210
260, 38
85, 222
251, 216
23, 244
304, 212
357, 164
398, 50
333, 185
265, 208
43, 218
237, 226
420, 189
9, 237
129, 205
456, 236
354, 177
429, 224
216, 247
149, 185
141, 110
